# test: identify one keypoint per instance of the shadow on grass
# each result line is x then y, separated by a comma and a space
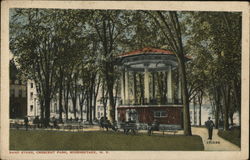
101, 140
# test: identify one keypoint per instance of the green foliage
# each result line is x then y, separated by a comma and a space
214, 42
13, 70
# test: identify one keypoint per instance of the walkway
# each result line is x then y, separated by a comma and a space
217, 143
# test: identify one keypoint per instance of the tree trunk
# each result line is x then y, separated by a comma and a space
199, 114
47, 99
104, 100
112, 104
231, 115
217, 104
87, 107
66, 108
240, 121
90, 111
81, 112
105, 109
217, 117
75, 96
60, 95
194, 103
42, 109
221, 112
81, 102
200, 98
91, 97
110, 85
74, 106
90, 106
237, 95
94, 107
47, 110
66, 101
186, 114
95, 94
226, 102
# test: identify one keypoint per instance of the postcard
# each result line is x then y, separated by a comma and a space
124, 80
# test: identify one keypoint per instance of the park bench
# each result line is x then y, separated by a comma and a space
169, 129
76, 126
20, 125
70, 126
129, 126
16, 125
163, 129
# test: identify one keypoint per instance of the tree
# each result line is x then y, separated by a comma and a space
34, 45
95, 94
197, 69
110, 25
219, 35
171, 29
70, 47
41, 42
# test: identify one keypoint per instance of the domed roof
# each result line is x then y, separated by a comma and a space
150, 58
146, 51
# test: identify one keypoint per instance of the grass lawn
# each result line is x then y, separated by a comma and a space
231, 135
100, 140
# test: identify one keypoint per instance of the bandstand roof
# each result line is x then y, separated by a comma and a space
150, 58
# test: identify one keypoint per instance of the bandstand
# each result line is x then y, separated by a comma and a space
150, 87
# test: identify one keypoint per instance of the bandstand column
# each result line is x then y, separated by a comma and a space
146, 85
179, 88
134, 88
153, 84
126, 87
169, 86
122, 87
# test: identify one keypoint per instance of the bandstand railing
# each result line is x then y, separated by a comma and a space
152, 101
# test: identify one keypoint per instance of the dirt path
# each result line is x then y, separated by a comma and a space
217, 143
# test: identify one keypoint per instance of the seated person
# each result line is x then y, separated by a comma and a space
36, 121
155, 125
77, 119
54, 122
129, 125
